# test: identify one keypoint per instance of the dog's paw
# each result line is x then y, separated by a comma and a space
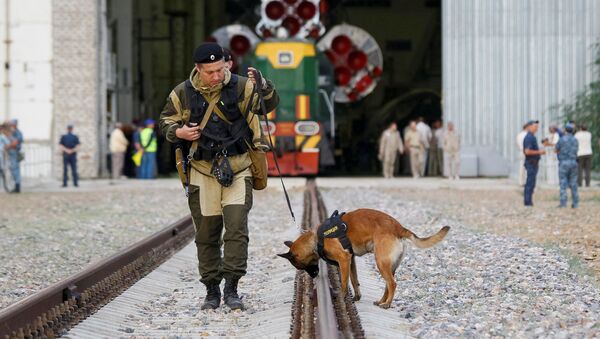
376, 303
356, 297
384, 306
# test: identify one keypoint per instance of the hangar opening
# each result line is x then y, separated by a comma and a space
150, 45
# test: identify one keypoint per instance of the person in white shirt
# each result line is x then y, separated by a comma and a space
390, 145
425, 132
452, 151
584, 155
118, 146
522, 172
552, 161
436, 152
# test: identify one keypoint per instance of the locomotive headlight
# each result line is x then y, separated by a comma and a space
307, 128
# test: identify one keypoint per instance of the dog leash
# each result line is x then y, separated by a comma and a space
258, 78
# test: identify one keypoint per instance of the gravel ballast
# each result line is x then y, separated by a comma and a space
478, 284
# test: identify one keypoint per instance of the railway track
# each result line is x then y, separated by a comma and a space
55, 309
318, 311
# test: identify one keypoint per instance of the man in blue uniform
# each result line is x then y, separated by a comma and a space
532, 159
13, 154
69, 144
567, 148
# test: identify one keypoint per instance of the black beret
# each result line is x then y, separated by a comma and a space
207, 53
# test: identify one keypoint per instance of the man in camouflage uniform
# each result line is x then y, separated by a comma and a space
212, 89
567, 148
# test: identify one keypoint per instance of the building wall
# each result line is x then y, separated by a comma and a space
77, 88
27, 91
508, 61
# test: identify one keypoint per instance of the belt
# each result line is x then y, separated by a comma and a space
203, 154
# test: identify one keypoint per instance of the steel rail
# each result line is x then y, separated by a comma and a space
55, 309
327, 322
318, 311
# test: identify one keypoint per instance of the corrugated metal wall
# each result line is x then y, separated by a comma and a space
506, 61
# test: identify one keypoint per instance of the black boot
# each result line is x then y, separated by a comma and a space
213, 296
17, 189
230, 295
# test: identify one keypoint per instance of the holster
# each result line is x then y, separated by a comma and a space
182, 169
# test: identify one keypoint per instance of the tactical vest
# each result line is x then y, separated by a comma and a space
218, 135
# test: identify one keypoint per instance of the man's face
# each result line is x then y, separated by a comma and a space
533, 128
212, 74
393, 127
413, 125
450, 126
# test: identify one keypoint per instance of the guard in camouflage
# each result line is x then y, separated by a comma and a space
567, 148
231, 102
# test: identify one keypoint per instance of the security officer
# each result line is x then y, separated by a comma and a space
14, 153
69, 144
212, 89
567, 148
149, 145
532, 159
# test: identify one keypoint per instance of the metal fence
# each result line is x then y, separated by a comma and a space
38, 160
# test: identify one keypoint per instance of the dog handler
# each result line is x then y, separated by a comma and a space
208, 112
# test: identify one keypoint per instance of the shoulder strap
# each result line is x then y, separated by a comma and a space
149, 141
194, 146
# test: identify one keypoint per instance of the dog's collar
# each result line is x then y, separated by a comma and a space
333, 227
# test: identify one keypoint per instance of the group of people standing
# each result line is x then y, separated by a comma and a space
573, 152
428, 150
145, 146
11, 142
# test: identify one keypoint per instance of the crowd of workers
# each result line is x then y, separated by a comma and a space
431, 152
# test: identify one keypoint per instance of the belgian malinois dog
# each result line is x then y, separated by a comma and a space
369, 231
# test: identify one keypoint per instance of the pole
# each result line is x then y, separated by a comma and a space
7, 42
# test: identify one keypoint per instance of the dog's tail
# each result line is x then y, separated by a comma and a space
430, 241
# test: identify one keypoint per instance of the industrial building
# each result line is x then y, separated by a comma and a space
488, 66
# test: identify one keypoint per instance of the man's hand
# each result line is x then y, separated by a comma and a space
188, 133
251, 77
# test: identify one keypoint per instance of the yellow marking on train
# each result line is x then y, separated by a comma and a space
285, 54
302, 107
307, 142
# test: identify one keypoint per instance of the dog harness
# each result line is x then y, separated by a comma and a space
333, 227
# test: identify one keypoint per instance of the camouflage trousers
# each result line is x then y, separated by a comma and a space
567, 174
216, 209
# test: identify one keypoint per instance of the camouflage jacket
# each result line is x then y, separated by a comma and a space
177, 112
567, 148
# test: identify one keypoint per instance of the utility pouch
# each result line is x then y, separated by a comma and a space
221, 169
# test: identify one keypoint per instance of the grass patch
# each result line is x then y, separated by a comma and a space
576, 263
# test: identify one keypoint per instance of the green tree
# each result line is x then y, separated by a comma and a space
585, 108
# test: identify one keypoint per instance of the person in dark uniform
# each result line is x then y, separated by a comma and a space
69, 144
532, 159
567, 147
226, 103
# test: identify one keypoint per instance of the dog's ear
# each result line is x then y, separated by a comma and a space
288, 243
287, 255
